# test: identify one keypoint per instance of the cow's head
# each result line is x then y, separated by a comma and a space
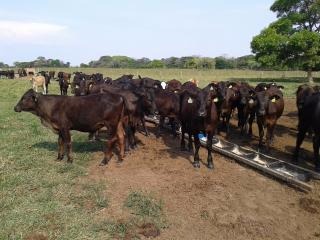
206, 97
28, 102
232, 95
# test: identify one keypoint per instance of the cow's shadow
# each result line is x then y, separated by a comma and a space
77, 146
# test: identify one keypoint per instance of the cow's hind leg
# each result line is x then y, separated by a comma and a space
160, 126
261, 133
197, 144
60, 147
143, 122
109, 145
301, 135
209, 148
67, 138
183, 130
316, 144
121, 139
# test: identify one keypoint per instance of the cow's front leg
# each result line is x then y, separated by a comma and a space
109, 146
196, 162
209, 148
60, 147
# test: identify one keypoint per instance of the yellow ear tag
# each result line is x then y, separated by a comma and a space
265, 88
230, 86
251, 101
273, 100
211, 88
215, 99
190, 100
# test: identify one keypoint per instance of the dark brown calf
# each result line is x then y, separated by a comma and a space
198, 113
167, 105
270, 107
84, 114
173, 85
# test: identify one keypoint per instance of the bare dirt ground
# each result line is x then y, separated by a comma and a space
230, 202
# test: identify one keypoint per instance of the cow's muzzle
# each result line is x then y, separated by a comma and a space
261, 112
17, 109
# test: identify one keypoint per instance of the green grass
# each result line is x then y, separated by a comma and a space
145, 211
38, 195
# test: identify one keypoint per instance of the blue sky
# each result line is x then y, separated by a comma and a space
80, 31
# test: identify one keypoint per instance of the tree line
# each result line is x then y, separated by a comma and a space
187, 62
293, 40
42, 62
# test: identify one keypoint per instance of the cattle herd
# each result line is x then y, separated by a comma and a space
121, 105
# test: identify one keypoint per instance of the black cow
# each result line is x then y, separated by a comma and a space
198, 113
309, 118
270, 106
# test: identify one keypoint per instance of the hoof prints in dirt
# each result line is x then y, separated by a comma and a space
149, 230
310, 205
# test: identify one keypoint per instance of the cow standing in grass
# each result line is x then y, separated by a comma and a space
85, 114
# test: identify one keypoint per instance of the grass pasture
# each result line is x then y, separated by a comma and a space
44, 199
40, 197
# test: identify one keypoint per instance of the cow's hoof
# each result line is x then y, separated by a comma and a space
120, 161
70, 160
60, 157
103, 162
210, 165
196, 164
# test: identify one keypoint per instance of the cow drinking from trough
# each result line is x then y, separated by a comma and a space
85, 114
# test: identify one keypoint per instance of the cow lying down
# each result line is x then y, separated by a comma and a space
84, 114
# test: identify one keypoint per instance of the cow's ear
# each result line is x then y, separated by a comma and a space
36, 97
281, 87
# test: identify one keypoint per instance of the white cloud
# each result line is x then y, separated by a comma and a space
30, 32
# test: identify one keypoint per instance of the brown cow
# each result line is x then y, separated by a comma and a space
167, 105
84, 114
64, 82
173, 85
270, 105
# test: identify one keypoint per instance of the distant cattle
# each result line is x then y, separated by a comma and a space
7, 73
85, 114
39, 81
47, 79
30, 71
64, 82
51, 74
22, 72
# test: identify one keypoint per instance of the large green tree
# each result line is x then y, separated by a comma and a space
293, 41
